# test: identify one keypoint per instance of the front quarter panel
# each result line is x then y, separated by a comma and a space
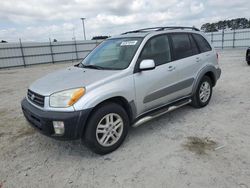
121, 87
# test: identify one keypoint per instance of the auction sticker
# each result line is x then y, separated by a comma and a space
129, 43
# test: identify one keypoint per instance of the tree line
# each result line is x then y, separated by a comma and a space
238, 23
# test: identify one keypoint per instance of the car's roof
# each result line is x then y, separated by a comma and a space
130, 35
144, 32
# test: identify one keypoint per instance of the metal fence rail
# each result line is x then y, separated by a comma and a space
230, 38
29, 53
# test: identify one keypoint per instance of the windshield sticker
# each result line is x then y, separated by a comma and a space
129, 43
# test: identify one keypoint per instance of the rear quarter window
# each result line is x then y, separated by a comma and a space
202, 43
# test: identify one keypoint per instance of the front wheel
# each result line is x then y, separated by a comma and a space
106, 129
203, 93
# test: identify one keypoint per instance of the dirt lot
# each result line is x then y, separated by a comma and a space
189, 147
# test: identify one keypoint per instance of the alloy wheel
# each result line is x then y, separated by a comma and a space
109, 129
205, 91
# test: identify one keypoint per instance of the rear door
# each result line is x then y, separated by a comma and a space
187, 61
206, 54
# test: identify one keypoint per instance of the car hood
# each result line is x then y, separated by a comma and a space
69, 78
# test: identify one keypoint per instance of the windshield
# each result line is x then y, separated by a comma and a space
112, 54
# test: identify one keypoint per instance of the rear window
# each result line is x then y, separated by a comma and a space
181, 45
202, 43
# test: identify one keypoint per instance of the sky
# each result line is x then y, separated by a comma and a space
39, 20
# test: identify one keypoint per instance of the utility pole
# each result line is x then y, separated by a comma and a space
83, 27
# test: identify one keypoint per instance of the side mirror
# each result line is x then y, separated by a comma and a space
147, 64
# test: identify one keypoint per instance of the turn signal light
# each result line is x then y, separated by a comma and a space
76, 96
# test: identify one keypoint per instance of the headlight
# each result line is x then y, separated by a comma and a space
66, 98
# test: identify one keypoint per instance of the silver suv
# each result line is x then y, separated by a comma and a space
125, 81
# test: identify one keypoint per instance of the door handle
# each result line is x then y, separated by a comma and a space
198, 59
171, 68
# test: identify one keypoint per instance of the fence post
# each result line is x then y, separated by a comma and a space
222, 40
51, 51
77, 58
234, 38
21, 48
212, 37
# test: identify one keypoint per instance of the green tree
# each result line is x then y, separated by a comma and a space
238, 23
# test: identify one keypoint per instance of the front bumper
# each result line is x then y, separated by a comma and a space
74, 122
218, 73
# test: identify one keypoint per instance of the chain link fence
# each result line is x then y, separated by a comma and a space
30, 53
230, 38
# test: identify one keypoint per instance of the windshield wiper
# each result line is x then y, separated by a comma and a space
90, 66
77, 65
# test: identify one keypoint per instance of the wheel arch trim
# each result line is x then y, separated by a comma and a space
129, 106
209, 70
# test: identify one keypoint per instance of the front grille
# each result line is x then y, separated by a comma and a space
36, 98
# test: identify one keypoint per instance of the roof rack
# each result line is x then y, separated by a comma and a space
160, 29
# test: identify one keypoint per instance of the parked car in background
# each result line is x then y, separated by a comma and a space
248, 56
125, 81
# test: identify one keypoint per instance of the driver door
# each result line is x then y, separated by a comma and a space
153, 87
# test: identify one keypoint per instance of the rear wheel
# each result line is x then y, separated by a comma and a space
106, 129
203, 93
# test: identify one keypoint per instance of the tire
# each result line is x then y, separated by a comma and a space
100, 135
248, 62
197, 100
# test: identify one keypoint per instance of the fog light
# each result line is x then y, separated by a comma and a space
58, 127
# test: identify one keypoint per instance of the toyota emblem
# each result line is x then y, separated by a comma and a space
32, 97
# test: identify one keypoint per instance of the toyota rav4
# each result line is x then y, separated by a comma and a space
125, 81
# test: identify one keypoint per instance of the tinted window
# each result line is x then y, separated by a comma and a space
181, 45
157, 49
193, 45
202, 43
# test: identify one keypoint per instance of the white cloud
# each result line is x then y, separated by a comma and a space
38, 20
137, 5
196, 7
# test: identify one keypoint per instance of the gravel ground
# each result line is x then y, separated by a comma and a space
189, 147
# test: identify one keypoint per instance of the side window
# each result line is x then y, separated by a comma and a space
195, 49
157, 49
202, 43
181, 45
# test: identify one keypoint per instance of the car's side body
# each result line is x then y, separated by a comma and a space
151, 89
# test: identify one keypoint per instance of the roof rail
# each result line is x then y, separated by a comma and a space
160, 29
